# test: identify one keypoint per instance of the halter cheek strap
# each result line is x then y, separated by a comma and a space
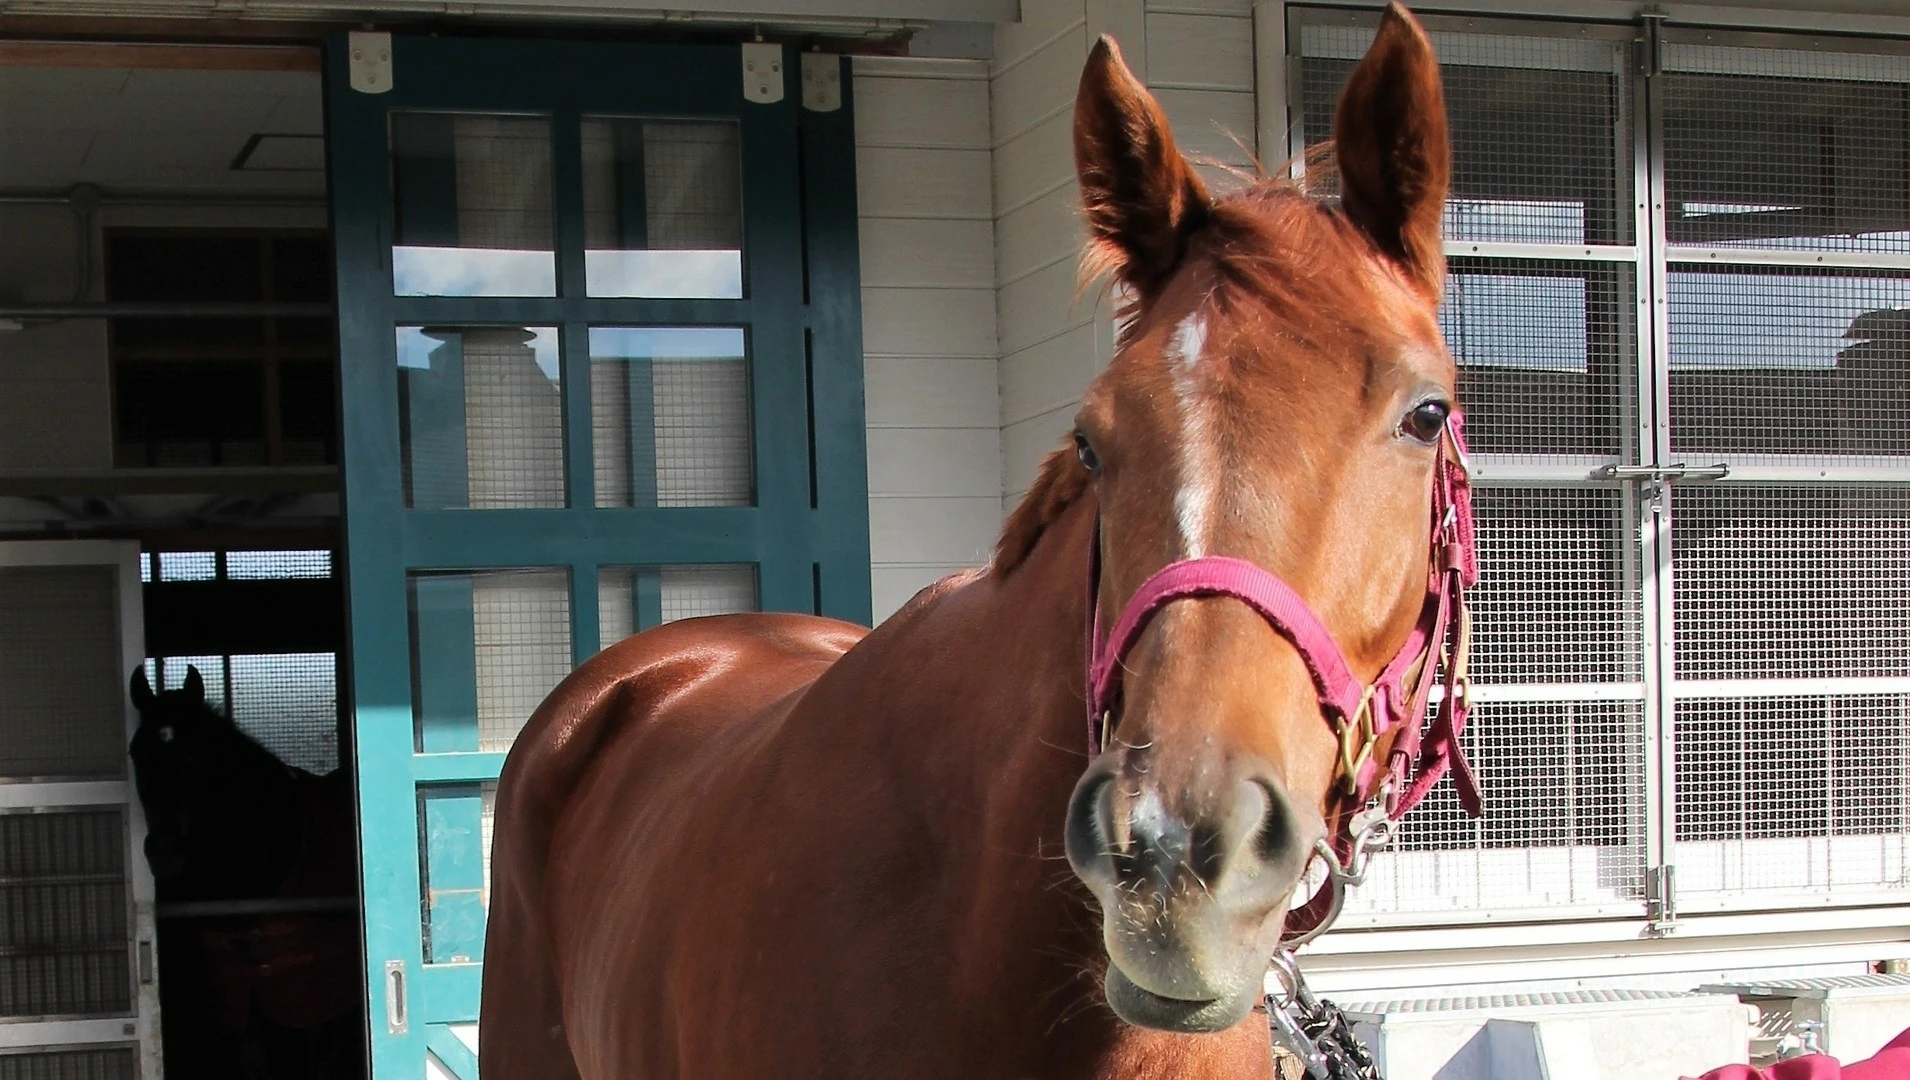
1360, 713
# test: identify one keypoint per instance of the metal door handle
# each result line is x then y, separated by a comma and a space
395, 1020
1679, 471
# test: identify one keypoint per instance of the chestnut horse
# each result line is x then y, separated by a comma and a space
771, 846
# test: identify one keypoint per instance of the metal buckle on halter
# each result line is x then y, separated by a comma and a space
1358, 735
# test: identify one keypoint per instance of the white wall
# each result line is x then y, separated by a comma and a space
1197, 57
928, 320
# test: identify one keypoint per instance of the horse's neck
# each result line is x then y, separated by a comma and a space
991, 679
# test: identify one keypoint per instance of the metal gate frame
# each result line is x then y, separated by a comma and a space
1646, 470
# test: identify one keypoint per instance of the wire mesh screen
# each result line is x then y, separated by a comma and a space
1547, 354
110, 1063
286, 702
1772, 363
1792, 793
62, 705
1541, 129
663, 208
1791, 582
1786, 148
670, 410
481, 418
503, 181
633, 598
1557, 600
521, 620
65, 935
1564, 823
471, 196
289, 703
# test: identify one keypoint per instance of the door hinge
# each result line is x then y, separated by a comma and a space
1651, 44
821, 82
762, 72
1661, 906
370, 55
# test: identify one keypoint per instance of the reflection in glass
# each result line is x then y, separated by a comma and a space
454, 845
663, 208
481, 417
635, 598
471, 205
670, 415
486, 646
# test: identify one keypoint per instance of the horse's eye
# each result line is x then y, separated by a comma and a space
1084, 450
165, 733
1426, 421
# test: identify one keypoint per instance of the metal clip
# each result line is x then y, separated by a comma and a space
1283, 1015
1372, 829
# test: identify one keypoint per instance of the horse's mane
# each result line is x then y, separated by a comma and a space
1239, 231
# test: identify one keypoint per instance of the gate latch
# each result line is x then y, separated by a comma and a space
1660, 473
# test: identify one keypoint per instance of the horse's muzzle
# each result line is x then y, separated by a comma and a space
1193, 892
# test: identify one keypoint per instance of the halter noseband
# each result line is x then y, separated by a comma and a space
1360, 713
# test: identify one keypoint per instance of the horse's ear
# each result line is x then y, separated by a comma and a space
142, 690
195, 684
1395, 157
1141, 198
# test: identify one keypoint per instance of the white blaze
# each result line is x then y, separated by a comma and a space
1199, 470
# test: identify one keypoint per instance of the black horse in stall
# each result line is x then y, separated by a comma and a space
253, 990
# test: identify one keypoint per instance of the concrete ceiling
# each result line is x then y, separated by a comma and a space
141, 130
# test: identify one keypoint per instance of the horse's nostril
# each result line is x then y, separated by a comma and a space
1090, 840
1275, 839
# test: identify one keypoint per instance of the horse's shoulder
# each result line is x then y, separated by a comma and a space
718, 665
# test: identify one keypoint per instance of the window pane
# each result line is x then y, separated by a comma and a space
670, 414
663, 208
472, 205
634, 598
481, 415
454, 849
486, 648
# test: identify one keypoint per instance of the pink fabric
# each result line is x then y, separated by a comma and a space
1421, 753
1891, 1063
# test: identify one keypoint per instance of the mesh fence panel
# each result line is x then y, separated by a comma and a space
1563, 825
61, 707
1541, 130
289, 703
1557, 600
1786, 148
1547, 354
64, 926
1773, 363
1791, 582
111, 1063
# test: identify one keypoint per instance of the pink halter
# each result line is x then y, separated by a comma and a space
1361, 713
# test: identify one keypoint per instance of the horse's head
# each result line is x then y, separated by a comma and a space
178, 731
1279, 397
